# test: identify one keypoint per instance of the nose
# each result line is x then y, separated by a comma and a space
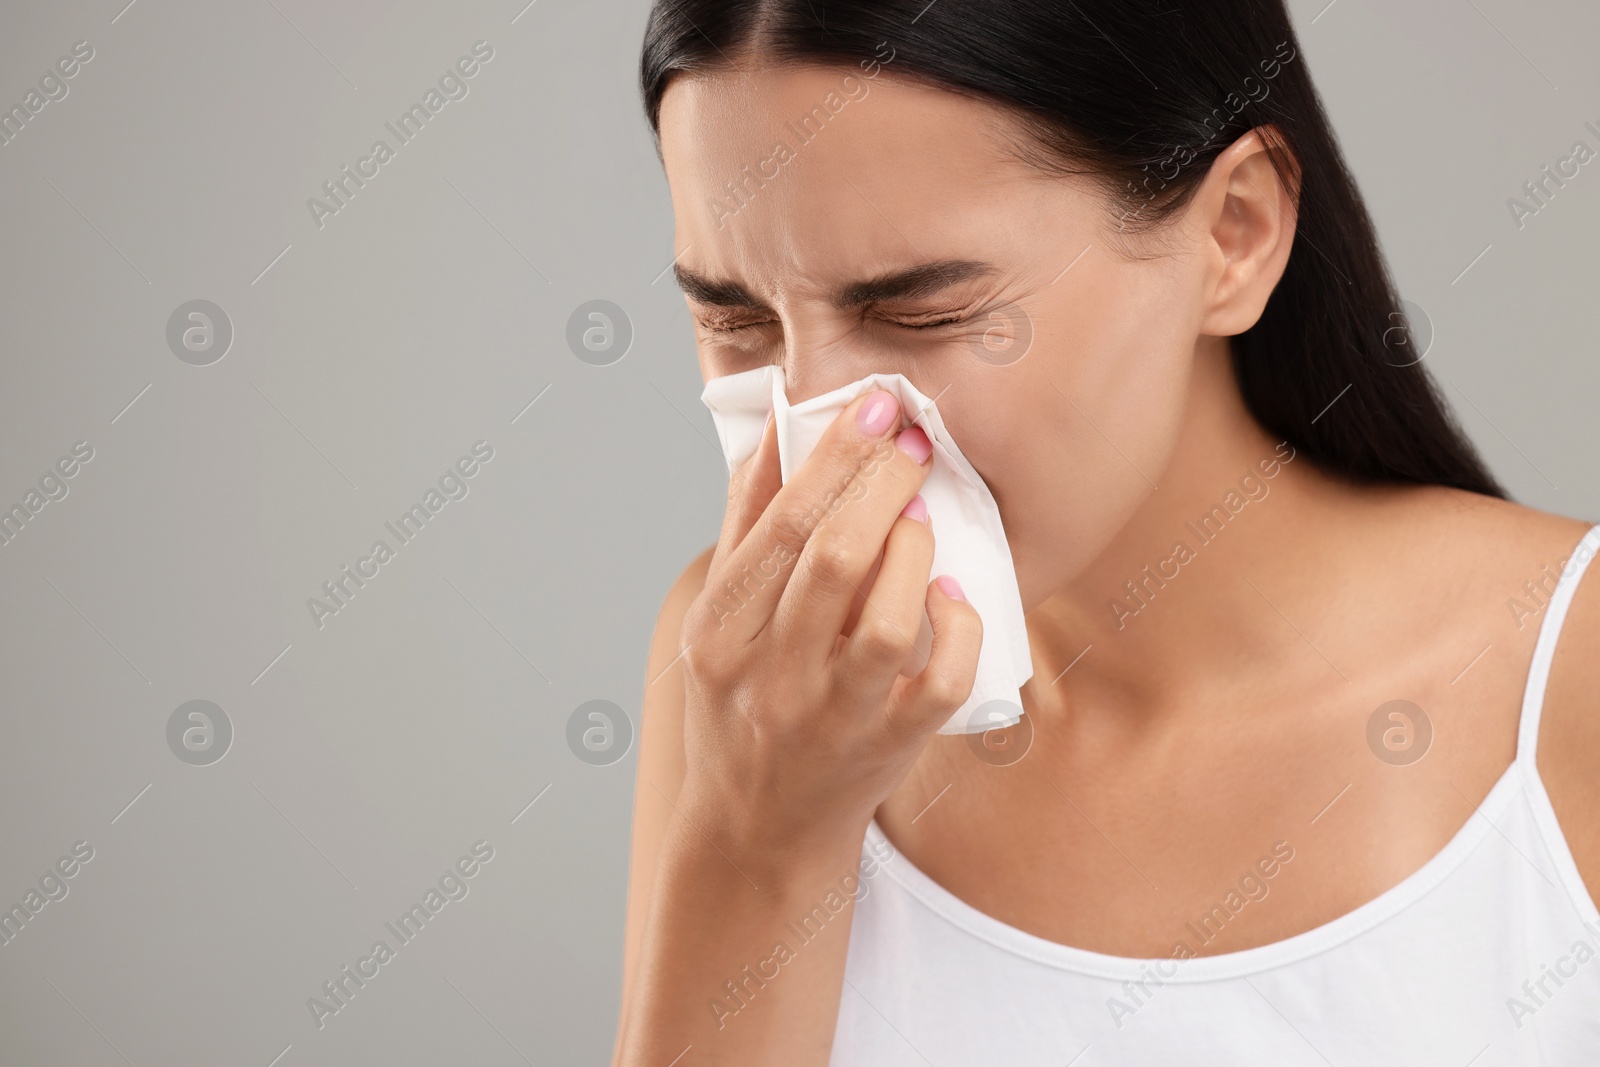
820, 357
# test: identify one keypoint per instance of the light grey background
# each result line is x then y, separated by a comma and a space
373, 352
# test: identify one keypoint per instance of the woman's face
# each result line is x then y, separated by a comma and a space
841, 222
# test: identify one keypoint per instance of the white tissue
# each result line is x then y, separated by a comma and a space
969, 538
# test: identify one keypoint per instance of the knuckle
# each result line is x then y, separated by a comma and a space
701, 622
913, 534
882, 453
881, 640
789, 527
704, 646
966, 623
944, 690
831, 562
706, 663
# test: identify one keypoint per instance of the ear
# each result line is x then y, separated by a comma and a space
1248, 216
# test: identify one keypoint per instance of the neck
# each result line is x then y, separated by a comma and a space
1198, 586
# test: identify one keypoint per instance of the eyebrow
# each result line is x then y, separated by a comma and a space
714, 293
924, 279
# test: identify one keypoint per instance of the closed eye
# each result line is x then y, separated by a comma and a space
928, 321
947, 321
716, 325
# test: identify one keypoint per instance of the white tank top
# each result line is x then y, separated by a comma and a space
1487, 955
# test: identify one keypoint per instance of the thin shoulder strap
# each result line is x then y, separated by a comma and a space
1555, 613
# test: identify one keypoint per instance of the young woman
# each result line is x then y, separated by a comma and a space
1305, 774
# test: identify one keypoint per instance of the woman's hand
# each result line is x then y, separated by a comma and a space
798, 722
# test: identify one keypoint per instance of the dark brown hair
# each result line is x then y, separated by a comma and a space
1146, 94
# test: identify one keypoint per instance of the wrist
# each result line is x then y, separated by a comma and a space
770, 851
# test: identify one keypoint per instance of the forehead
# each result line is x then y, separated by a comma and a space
818, 172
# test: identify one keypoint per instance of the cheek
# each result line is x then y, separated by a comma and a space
1124, 359
1071, 437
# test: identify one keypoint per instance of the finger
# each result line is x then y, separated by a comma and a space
831, 574
750, 581
751, 487
859, 601
926, 701
887, 630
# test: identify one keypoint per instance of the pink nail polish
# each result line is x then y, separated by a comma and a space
913, 441
950, 587
878, 413
916, 509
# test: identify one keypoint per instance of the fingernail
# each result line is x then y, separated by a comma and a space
950, 587
917, 509
768, 422
914, 443
878, 413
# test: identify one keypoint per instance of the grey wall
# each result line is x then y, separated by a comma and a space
368, 355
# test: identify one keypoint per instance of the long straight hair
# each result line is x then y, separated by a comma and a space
1145, 94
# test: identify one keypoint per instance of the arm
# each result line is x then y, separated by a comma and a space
660, 772
782, 738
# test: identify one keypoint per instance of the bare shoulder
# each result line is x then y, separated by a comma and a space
1477, 570
1504, 564
1484, 528
1483, 554
1521, 555
1569, 728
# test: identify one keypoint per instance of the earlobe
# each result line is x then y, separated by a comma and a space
1251, 213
